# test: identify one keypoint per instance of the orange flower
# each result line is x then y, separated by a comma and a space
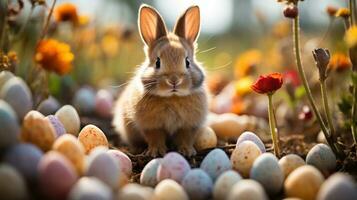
54, 56
331, 10
339, 62
268, 84
246, 62
66, 12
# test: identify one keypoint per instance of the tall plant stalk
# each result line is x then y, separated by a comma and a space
272, 125
326, 107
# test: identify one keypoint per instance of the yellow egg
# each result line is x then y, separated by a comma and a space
70, 147
206, 138
304, 182
91, 137
289, 163
243, 157
38, 130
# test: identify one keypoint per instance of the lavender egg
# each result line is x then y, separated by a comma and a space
173, 166
250, 136
12, 185
84, 100
149, 173
123, 160
198, 184
10, 128
49, 106
169, 190
25, 159
224, 184
338, 186
322, 157
90, 188
104, 103
215, 163
57, 124
247, 189
267, 172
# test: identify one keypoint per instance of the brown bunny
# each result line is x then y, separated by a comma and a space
167, 97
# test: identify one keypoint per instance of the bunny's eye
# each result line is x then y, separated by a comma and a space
187, 62
157, 63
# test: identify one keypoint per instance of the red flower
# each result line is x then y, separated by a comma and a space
268, 83
292, 76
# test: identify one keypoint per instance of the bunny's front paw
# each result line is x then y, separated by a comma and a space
187, 150
156, 151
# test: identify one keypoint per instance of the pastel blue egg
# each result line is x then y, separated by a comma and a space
84, 100
250, 136
267, 172
10, 128
338, 186
198, 184
322, 157
90, 188
215, 163
49, 106
148, 176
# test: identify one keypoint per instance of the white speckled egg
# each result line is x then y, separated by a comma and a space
104, 103
304, 182
104, 166
243, 157
84, 100
91, 137
10, 128
289, 163
4, 77
322, 157
72, 149
69, 118
56, 175
24, 158
206, 138
17, 94
12, 185
198, 184
173, 166
247, 189
338, 186
123, 160
250, 136
224, 184
215, 163
57, 124
90, 188
267, 172
135, 192
49, 106
148, 176
38, 130
169, 190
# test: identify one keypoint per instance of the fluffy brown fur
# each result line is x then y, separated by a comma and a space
169, 101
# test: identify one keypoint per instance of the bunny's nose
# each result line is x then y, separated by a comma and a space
174, 81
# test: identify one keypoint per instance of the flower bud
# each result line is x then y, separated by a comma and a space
291, 11
331, 11
322, 58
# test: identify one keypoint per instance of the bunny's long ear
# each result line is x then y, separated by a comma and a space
188, 25
151, 25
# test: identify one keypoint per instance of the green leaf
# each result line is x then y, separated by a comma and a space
345, 105
300, 92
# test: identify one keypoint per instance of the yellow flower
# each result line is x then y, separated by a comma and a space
110, 45
246, 62
351, 36
242, 86
340, 62
66, 12
343, 12
54, 56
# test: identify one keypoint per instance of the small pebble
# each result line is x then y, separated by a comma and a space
148, 176
243, 157
169, 190
12, 185
84, 100
49, 106
104, 103
215, 163
250, 136
69, 118
338, 186
134, 191
123, 160
10, 128
173, 166
224, 184
198, 184
90, 188
247, 189
289, 163
322, 157
206, 139
57, 124
304, 182
91, 137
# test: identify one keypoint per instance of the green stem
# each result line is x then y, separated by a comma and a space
326, 107
48, 19
274, 135
353, 117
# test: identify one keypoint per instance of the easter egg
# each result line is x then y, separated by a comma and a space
17, 94
321, 138
338, 186
4, 77
198, 184
49, 106
12, 185
224, 184
135, 192
25, 159
57, 124
268, 173
72, 149
322, 157
148, 176
247, 189
69, 118
289, 163
10, 129
84, 100
56, 175
90, 188
123, 160
169, 190
104, 103
215, 163
104, 167
206, 138
91, 137
227, 126
38, 130
304, 182
243, 157
173, 166
250, 136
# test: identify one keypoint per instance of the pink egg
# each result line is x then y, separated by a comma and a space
173, 166
124, 161
104, 103
56, 175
